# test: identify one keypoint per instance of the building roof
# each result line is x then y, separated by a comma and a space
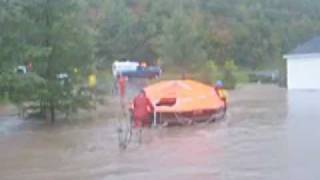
310, 47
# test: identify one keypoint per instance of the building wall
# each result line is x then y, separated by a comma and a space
303, 73
302, 131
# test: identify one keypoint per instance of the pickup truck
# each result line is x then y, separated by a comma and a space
147, 72
134, 70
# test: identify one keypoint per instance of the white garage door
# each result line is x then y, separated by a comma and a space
304, 73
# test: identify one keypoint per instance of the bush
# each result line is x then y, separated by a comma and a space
210, 72
229, 74
18, 88
242, 76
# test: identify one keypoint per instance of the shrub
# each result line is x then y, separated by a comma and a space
229, 74
210, 72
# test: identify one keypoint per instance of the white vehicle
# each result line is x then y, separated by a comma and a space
21, 69
119, 67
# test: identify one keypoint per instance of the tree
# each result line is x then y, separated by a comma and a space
180, 44
116, 38
51, 36
58, 36
68, 43
12, 42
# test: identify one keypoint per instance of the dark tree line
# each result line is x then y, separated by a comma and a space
209, 37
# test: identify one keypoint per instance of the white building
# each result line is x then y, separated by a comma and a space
303, 66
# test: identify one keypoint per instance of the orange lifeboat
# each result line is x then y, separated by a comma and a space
184, 101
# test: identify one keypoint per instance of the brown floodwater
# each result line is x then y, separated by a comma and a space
269, 134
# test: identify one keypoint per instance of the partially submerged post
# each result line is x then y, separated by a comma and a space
155, 115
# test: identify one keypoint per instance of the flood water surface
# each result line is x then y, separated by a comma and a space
268, 134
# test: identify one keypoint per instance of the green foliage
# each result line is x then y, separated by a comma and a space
210, 72
180, 43
229, 74
21, 88
116, 34
53, 37
187, 33
242, 76
193, 37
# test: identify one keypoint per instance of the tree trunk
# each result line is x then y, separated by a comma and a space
42, 107
52, 113
49, 71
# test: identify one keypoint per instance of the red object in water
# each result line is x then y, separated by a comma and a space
142, 108
29, 67
122, 86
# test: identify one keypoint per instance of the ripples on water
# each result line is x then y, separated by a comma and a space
264, 137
